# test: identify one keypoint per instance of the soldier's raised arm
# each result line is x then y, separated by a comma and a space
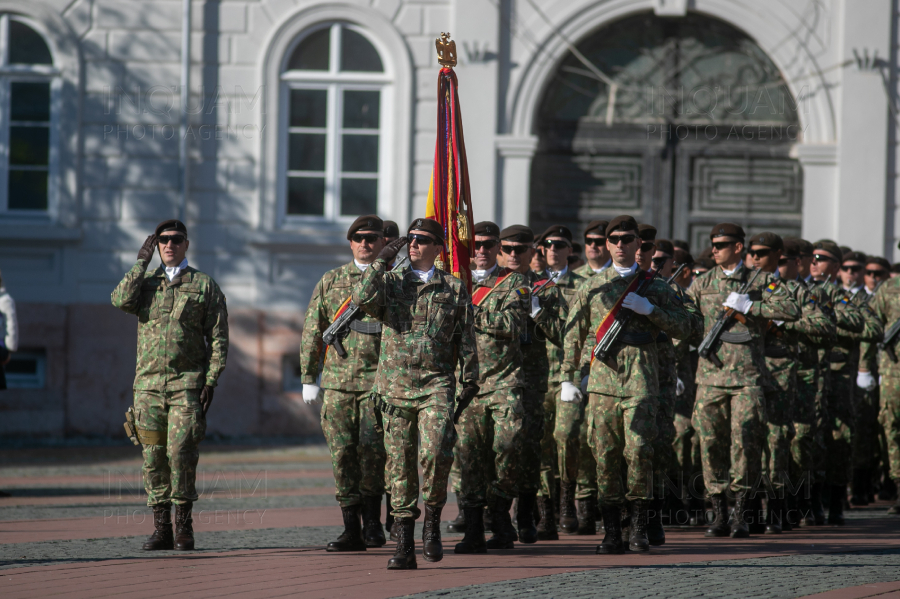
509, 321
127, 294
371, 292
215, 329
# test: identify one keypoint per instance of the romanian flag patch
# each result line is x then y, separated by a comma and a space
772, 286
523, 291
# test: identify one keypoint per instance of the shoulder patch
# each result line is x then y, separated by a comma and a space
772, 286
523, 291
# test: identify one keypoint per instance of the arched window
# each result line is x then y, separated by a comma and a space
28, 85
334, 102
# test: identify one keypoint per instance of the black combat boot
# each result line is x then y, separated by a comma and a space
352, 538
612, 541
546, 528
836, 505
568, 517
458, 525
405, 554
895, 509
739, 527
505, 535
754, 516
888, 489
719, 527
774, 516
371, 516
638, 540
525, 518
432, 548
184, 527
587, 516
162, 538
804, 507
473, 541
656, 535
859, 491
388, 516
818, 511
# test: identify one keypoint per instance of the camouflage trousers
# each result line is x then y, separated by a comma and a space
686, 448
621, 432
586, 487
422, 435
889, 416
866, 429
559, 447
730, 422
489, 447
532, 433
838, 430
808, 445
780, 432
170, 470
664, 463
357, 448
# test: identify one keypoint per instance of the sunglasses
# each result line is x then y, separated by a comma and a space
880, 272
367, 237
647, 246
782, 261
514, 249
175, 239
594, 241
616, 239
758, 253
854, 268
823, 258
421, 239
556, 244
488, 245
723, 245
660, 261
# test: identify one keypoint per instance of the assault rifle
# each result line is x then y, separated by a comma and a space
338, 329
707, 348
675, 274
890, 337
612, 334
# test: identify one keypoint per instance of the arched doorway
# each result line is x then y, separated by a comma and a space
683, 122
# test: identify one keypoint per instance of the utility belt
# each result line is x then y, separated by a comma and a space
384, 407
366, 328
636, 339
776, 351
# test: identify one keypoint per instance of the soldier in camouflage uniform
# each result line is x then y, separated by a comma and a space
181, 351
623, 389
348, 414
428, 329
730, 410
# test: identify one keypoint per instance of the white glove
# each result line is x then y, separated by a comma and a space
535, 305
865, 380
312, 395
739, 301
640, 305
778, 323
584, 383
570, 393
679, 387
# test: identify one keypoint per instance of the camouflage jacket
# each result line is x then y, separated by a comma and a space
428, 329
356, 372
182, 327
542, 332
499, 324
585, 271
631, 370
743, 363
668, 355
567, 284
885, 305
853, 325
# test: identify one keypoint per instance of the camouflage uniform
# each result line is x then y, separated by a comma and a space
428, 327
348, 414
867, 430
623, 391
686, 445
730, 411
182, 346
886, 307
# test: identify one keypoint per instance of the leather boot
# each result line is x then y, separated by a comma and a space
895, 509
394, 536
546, 528
638, 540
473, 541
739, 527
432, 548
859, 494
525, 518
818, 510
162, 538
505, 535
487, 516
719, 527
371, 516
568, 517
612, 541
836, 505
888, 489
754, 515
405, 554
352, 538
587, 516
388, 516
459, 524
184, 527
655, 533
774, 516
804, 507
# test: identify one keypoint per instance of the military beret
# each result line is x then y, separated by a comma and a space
366, 222
597, 227
896, 268
806, 247
854, 257
391, 229
487, 229
879, 261
683, 257
173, 224
769, 240
647, 232
519, 233
622, 223
706, 253
556, 231
846, 249
429, 225
665, 246
791, 247
727, 230
707, 263
681, 244
577, 248
829, 247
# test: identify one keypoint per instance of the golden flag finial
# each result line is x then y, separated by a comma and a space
446, 50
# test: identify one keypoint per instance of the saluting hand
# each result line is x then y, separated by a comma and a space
391, 250
146, 251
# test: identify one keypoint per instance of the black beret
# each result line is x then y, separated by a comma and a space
556, 231
792, 247
681, 244
665, 246
707, 263
487, 228
366, 222
429, 226
391, 229
706, 253
896, 268
829, 247
769, 240
647, 232
854, 257
727, 230
173, 224
597, 227
879, 261
519, 233
846, 249
622, 223
806, 247
683, 257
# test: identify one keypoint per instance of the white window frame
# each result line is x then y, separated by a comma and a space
335, 82
29, 73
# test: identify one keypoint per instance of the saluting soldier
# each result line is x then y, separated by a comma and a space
181, 350
428, 319
348, 414
730, 396
624, 389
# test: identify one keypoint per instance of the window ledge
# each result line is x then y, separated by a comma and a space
309, 235
36, 232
